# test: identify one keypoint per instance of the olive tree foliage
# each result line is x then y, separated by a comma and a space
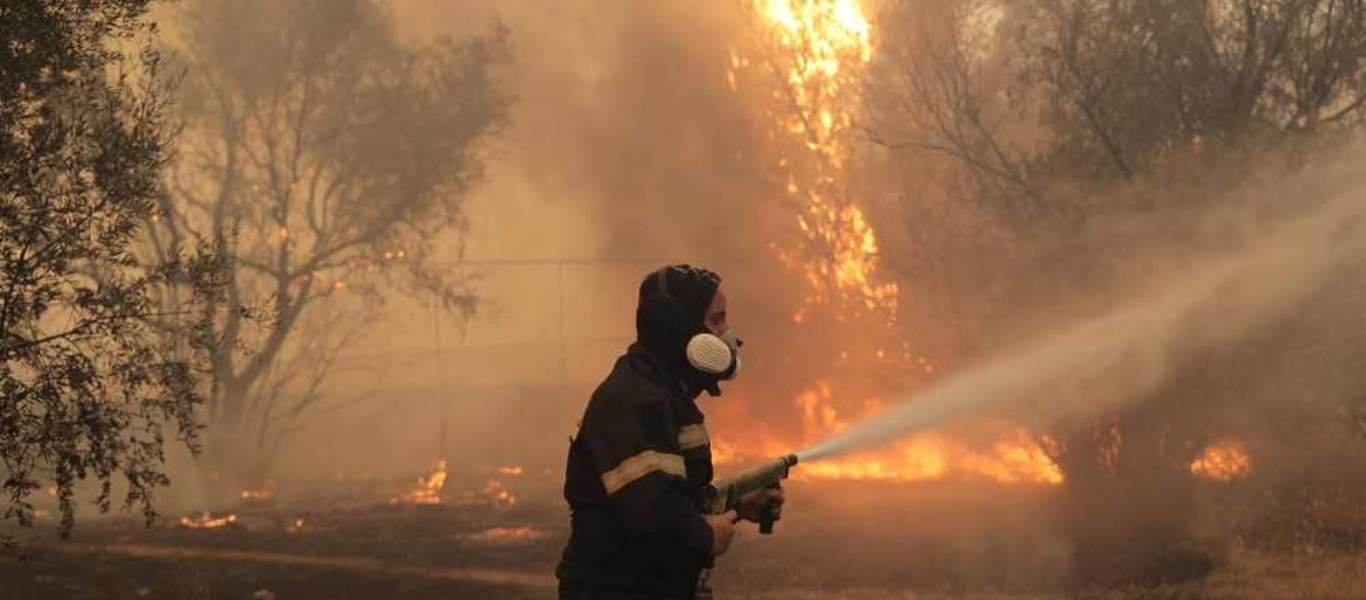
331, 163
1030, 129
91, 375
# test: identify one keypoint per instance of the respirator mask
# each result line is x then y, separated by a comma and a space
716, 355
710, 356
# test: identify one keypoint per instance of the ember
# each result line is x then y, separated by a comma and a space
428, 489
1224, 460
206, 520
257, 494
494, 490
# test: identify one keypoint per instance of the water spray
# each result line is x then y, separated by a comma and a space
1103, 363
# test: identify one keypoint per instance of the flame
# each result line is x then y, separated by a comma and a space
257, 494
1013, 457
428, 489
1224, 460
1010, 454
820, 49
815, 54
206, 520
494, 491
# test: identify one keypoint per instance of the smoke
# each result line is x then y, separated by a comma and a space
628, 144
625, 121
1206, 302
626, 150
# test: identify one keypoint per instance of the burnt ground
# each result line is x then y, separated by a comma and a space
839, 540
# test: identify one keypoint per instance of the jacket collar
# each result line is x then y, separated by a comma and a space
660, 372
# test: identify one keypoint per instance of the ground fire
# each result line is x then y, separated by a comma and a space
1001, 453
207, 520
434, 489
996, 451
505, 535
499, 495
428, 489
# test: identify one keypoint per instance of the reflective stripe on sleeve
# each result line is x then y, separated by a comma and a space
641, 465
693, 436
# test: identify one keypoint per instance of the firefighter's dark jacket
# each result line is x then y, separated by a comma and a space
635, 472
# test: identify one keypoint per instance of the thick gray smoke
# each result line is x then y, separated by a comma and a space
1206, 303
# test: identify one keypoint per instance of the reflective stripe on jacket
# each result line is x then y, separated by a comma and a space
635, 472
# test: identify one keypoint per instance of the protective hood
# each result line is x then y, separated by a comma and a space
673, 303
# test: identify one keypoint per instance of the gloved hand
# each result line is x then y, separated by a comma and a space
755, 505
722, 530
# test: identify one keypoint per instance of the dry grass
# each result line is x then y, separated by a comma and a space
1251, 575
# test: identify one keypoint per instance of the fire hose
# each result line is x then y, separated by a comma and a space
725, 495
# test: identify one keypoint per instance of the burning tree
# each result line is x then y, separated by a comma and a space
91, 375
814, 54
801, 67
1038, 119
804, 66
326, 159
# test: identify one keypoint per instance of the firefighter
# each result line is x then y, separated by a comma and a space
642, 454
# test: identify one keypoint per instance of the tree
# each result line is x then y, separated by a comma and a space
89, 377
326, 159
1056, 115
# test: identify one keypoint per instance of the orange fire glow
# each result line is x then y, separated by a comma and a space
257, 494
1013, 458
1224, 460
428, 489
206, 520
1009, 454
